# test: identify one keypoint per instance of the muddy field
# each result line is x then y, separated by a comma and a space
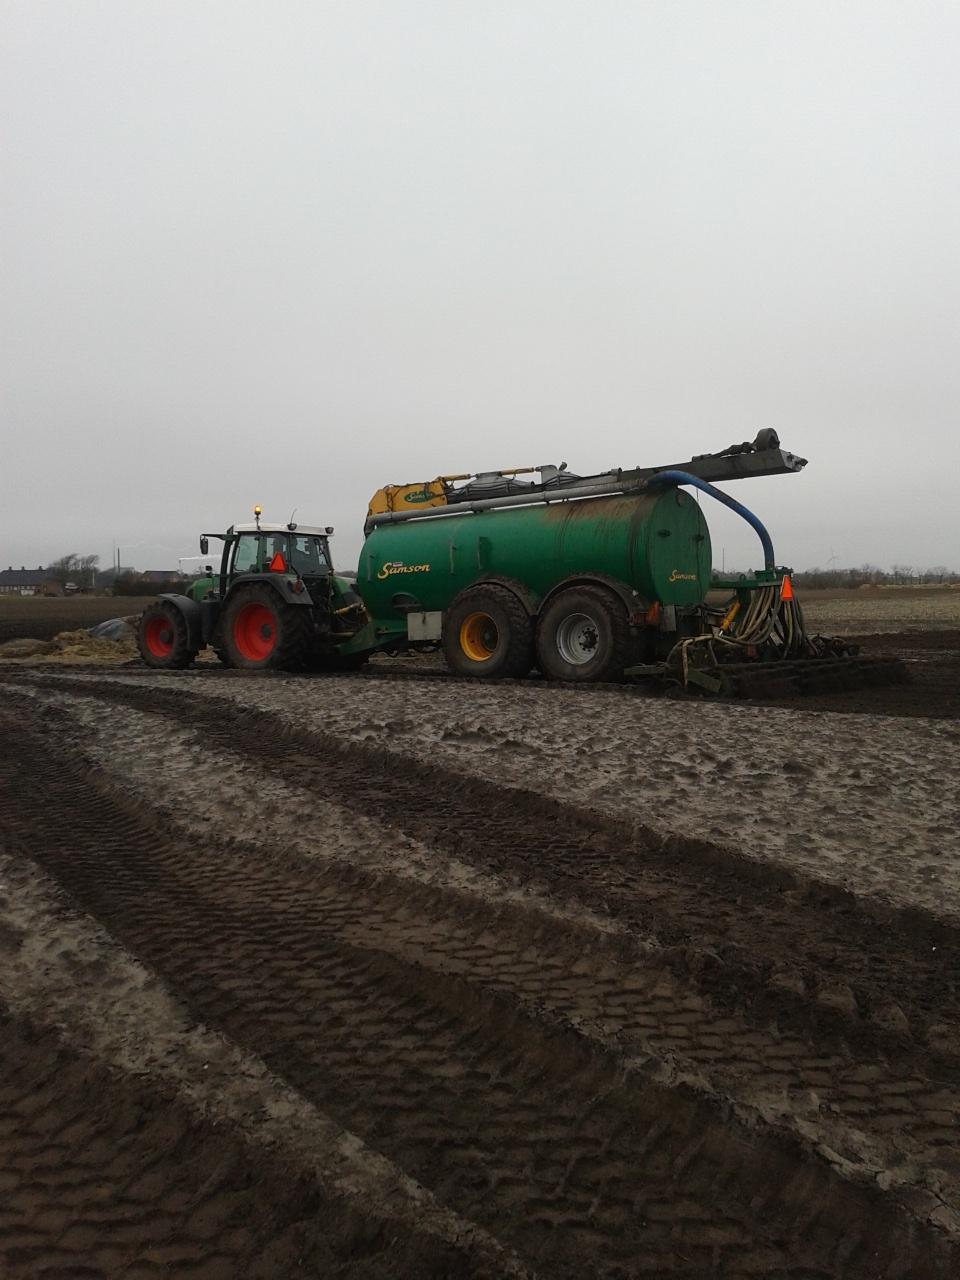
883, 609
382, 976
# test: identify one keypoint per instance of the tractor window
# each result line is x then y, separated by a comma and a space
309, 556
245, 553
274, 543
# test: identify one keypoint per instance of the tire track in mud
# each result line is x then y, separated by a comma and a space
750, 931
531, 1130
883, 1116
101, 1176
59, 970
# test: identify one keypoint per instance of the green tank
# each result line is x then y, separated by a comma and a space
582, 577
656, 544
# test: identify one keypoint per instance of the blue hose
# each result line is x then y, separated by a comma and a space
684, 477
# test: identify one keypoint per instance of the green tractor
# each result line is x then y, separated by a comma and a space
276, 603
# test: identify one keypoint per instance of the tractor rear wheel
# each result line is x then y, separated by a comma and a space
163, 638
261, 632
583, 634
487, 632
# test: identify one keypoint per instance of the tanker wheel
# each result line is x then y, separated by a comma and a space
583, 634
487, 632
163, 638
261, 632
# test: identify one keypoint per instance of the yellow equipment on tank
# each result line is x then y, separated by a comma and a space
410, 497
431, 493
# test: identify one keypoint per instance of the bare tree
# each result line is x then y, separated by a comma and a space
87, 569
73, 567
62, 570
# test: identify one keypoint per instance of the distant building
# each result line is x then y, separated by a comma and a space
28, 582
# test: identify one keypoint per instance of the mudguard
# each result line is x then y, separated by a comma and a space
634, 603
523, 593
191, 615
278, 582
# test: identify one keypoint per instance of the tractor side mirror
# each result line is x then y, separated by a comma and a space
204, 545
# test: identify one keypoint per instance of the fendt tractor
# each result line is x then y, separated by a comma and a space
588, 578
276, 602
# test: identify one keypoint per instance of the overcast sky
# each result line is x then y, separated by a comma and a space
287, 252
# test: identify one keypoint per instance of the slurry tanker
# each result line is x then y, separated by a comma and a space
587, 578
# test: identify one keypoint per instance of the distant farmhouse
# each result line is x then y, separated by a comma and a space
28, 582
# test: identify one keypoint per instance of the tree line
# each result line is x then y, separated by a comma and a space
81, 572
870, 575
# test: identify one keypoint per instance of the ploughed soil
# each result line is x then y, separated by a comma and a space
43, 617
932, 659
382, 976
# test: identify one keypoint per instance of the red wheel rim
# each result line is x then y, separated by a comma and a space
255, 632
158, 636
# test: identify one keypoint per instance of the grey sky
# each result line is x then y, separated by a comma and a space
289, 252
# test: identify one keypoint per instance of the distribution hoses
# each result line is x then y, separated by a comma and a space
768, 622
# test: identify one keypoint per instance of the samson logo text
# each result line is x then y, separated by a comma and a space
677, 576
416, 496
395, 566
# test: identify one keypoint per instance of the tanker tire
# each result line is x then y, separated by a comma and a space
163, 638
261, 632
570, 623
507, 634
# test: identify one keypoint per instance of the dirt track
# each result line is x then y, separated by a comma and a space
281, 1002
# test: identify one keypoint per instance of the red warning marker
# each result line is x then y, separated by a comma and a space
278, 564
786, 589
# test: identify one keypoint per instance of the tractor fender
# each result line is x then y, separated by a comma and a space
190, 611
634, 603
276, 582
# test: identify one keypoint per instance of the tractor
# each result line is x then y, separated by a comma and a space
275, 603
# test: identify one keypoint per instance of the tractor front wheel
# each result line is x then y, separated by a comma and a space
163, 638
261, 632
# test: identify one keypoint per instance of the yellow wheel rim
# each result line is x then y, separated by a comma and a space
479, 637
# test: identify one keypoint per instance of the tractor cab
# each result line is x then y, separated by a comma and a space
300, 551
